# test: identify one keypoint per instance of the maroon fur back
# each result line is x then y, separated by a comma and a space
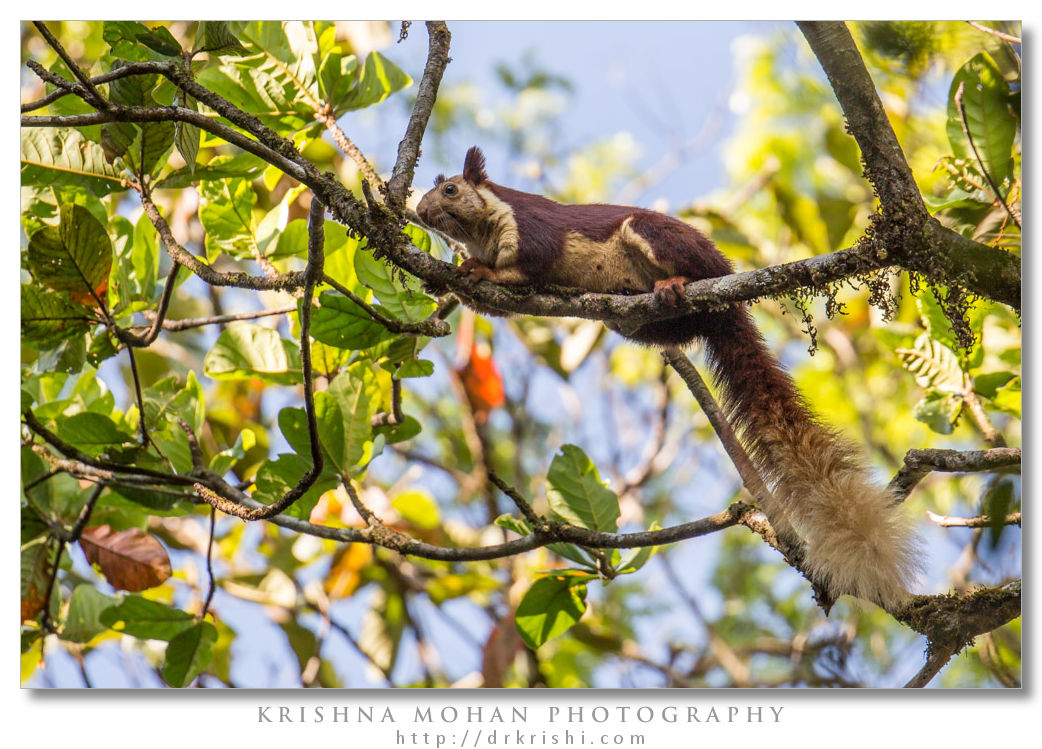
542, 224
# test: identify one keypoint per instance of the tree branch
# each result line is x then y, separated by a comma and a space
427, 93
910, 236
918, 463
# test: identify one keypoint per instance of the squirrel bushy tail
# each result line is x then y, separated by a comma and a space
857, 541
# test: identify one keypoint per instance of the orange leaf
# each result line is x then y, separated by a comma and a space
130, 560
482, 382
346, 573
89, 299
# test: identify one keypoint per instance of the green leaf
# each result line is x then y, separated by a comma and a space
83, 622
242, 165
411, 368
277, 82
92, 431
550, 608
339, 322
49, 317
75, 257
632, 560
290, 240
167, 401
145, 619
37, 562
226, 213
395, 433
406, 303
223, 461
133, 40
189, 653
987, 385
575, 554
102, 346
135, 272
934, 365
187, 136
379, 79
576, 493
58, 156
1008, 399
337, 75
515, 524
218, 37
998, 501
302, 641
419, 237
247, 350
418, 508
939, 411
989, 119
71, 105
153, 145
344, 417
286, 51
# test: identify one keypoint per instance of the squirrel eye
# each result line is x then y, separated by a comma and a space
450, 189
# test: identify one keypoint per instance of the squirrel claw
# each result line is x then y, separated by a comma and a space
475, 269
670, 290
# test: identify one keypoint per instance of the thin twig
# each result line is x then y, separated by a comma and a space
995, 32
209, 565
215, 278
312, 275
522, 504
187, 323
62, 539
349, 147
937, 660
430, 327
95, 97
426, 94
981, 521
65, 88
751, 478
159, 317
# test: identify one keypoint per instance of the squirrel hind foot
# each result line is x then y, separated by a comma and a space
670, 290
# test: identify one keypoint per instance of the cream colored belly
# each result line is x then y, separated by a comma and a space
622, 263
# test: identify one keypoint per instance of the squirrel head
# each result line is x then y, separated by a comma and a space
455, 206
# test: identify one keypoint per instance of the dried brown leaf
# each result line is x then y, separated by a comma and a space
130, 559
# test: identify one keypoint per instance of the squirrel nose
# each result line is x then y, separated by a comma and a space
421, 209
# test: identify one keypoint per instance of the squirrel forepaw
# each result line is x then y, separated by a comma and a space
477, 270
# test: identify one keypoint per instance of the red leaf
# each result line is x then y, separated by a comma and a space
481, 382
130, 559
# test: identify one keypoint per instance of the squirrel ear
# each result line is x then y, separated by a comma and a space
474, 166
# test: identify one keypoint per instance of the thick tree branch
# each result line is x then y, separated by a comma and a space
951, 622
910, 236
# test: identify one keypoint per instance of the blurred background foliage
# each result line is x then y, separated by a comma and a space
505, 394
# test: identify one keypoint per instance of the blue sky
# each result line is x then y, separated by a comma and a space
661, 82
